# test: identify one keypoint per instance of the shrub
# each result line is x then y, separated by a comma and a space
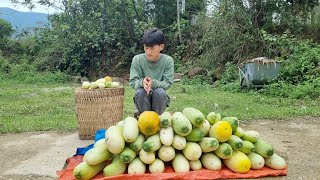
299, 58
196, 80
306, 90
230, 74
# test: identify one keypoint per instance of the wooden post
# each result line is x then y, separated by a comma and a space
178, 21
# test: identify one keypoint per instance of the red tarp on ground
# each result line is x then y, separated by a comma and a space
66, 174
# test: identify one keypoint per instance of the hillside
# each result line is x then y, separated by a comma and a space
23, 20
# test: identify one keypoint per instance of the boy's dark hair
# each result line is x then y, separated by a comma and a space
153, 37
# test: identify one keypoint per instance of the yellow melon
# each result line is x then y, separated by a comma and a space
238, 162
149, 123
221, 130
108, 79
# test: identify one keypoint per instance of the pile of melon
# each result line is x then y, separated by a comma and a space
101, 83
187, 141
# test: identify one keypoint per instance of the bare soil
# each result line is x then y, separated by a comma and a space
38, 155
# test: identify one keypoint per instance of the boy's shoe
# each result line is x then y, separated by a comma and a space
136, 114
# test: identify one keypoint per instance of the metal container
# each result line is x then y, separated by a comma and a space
259, 72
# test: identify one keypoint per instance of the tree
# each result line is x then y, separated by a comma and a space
5, 32
98, 37
5, 29
90, 36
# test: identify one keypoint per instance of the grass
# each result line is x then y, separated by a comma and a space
245, 106
51, 106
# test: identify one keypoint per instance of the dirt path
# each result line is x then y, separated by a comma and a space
38, 155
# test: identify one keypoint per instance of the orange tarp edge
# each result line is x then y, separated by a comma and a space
66, 174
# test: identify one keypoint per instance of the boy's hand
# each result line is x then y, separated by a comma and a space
147, 83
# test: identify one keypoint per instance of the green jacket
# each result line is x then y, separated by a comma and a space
161, 71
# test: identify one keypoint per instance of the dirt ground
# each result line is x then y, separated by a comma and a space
38, 155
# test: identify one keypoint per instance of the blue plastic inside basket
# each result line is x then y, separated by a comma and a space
100, 134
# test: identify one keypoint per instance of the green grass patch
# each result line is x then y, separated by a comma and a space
42, 106
30, 107
245, 106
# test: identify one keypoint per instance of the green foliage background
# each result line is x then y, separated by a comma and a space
93, 38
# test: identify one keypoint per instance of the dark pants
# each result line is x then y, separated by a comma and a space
157, 100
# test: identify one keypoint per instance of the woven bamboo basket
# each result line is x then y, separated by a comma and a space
98, 108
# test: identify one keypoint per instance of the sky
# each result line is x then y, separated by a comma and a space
38, 8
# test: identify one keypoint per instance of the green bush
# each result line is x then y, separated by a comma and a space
26, 72
230, 87
230, 37
300, 58
4, 65
196, 80
48, 77
230, 74
306, 90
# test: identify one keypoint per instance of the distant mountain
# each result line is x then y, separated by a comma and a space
23, 20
